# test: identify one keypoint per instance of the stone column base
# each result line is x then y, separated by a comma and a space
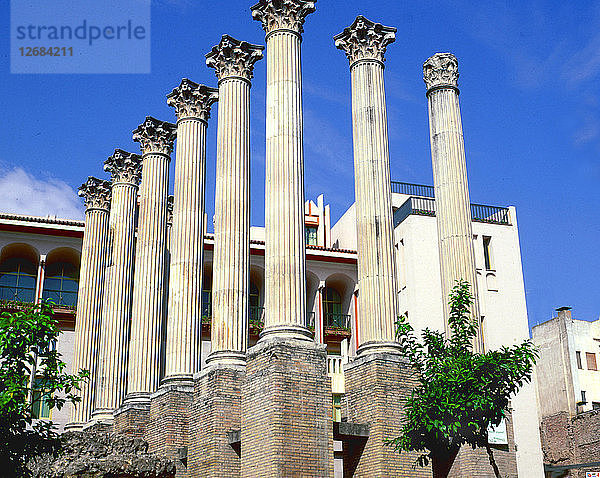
131, 419
215, 422
286, 410
167, 430
96, 426
377, 385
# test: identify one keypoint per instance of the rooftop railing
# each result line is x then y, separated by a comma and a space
422, 206
412, 189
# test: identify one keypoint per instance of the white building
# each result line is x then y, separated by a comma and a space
501, 288
567, 370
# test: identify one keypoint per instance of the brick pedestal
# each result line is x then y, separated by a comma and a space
286, 411
377, 385
131, 419
476, 463
167, 432
215, 417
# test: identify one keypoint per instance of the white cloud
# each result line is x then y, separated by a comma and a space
23, 193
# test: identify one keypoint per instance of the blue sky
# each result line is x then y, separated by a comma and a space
530, 102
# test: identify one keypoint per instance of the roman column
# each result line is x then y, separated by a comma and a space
96, 195
125, 169
286, 364
285, 281
378, 365
233, 61
156, 141
365, 43
452, 204
192, 103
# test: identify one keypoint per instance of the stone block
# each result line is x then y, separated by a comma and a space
286, 426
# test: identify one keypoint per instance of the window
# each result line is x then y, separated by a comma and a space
583, 400
337, 407
61, 284
332, 308
578, 356
39, 401
595, 405
254, 300
487, 252
17, 280
590, 358
310, 234
206, 304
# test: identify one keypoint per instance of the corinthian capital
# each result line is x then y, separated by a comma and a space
124, 167
192, 100
365, 40
441, 69
233, 57
155, 136
282, 14
95, 193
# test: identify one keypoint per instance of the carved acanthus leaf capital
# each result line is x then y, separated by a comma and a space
282, 14
233, 57
441, 69
170, 202
365, 40
192, 100
96, 193
155, 136
124, 167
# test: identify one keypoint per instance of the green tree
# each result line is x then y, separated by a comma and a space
30, 370
460, 393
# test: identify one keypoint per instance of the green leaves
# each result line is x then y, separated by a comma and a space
30, 369
460, 393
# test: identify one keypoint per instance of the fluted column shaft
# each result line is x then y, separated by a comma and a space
187, 240
149, 281
453, 207
365, 43
452, 203
285, 268
89, 302
231, 260
377, 300
116, 313
233, 61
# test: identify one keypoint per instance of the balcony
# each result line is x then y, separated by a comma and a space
337, 321
423, 206
413, 189
335, 371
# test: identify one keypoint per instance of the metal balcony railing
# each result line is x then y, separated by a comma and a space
337, 321
426, 207
257, 315
412, 189
17, 294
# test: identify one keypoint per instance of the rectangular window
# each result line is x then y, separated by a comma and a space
310, 233
578, 356
337, 407
591, 361
39, 403
583, 400
487, 252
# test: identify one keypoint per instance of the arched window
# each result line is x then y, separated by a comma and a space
61, 284
17, 279
332, 306
254, 295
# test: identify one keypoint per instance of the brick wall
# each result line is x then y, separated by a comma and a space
377, 386
286, 411
167, 429
572, 440
215, 410
131, 420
